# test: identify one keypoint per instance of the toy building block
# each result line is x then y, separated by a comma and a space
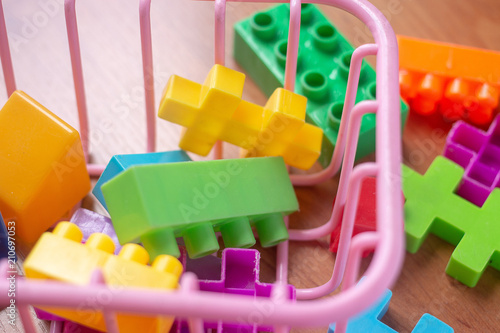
240, 275
71, 327
44, 315
43, 167
4, 240
461, 82
61, 256
478, 153
369, 321
433, 207
215, 111
90, 222
154, 204
366, 214
119, 163
260, 46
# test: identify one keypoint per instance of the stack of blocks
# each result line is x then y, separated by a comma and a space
461, 82
260, 47
61, 256
215, 111
43, 167
154, 204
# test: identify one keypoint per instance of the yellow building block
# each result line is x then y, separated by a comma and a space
215, 111
42, 167
60, 256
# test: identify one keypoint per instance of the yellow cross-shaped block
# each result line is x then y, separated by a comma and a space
215, 111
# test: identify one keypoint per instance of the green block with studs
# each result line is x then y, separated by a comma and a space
260, 44
154, 204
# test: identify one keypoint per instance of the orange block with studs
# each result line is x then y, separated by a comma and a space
460, 82
60, 256
42, 167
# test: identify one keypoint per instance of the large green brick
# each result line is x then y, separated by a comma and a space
154, 204
324, 56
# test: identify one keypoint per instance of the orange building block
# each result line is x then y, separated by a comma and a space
60, 256
461, 82
42, 167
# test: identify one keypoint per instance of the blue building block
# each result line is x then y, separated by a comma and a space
4, 239
369, 321
120, 163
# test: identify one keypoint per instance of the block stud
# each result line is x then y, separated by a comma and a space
200, 240
101, 242
271, 229
306, 13
263, 26
69, 231
168, 264
238, 233
160, 241
134, 252
314, 85
334, 114
325, 37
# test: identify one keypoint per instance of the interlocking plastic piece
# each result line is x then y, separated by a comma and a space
240, 275
4, 239
260, 47
369, 321
90, 222
215, 111
43, 168
432, 207
44, 315
119, 163
366, 214
461, 82
71, 327
478, 153
61, 256
155, 204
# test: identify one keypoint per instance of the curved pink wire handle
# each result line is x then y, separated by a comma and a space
292, 45
8, 70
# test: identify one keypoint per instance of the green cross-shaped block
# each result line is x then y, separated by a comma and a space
433, 207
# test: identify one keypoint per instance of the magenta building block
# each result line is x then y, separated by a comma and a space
239, 275
42, 315
478, 152
91, 222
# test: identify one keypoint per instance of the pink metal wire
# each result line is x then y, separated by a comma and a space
8, 70
196, 305
293, 45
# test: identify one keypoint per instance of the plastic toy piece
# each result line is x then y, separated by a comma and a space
432, 206
155, 204
260, 47
4, 240
119, 163
215, 111
71, 327
43, 168
478, 153
365, 214
44, 315
90, 222
61, 256
369, 321
461, 82
240, 275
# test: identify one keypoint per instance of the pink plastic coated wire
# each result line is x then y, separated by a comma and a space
293, 45
8, 70
220, 47
381, 274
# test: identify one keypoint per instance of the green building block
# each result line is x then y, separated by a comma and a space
433, 207
156, 203
260, 45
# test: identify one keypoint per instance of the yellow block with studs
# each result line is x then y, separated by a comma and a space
215, 111
60, 256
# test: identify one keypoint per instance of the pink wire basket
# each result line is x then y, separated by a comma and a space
308, 311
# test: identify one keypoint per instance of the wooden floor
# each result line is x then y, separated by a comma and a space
183, 44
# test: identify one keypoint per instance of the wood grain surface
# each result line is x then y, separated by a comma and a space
183, 44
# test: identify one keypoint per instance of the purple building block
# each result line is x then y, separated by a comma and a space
71, 327
42, 315
239, 275
90, 222
478, 152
